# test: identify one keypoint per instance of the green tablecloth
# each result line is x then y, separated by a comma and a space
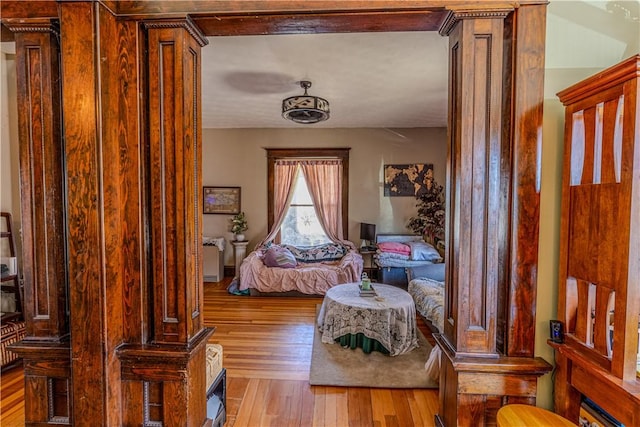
359, 340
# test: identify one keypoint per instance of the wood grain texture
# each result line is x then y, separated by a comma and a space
600, 231
175, 185
493, 167
12, 397
122, 178
527, 89
267, 353
46, 357
268, 16
476, 49
267, 349
84, 199
315, 23
120, 188
89, 266
519, 415
308, 6
20, 10
41, 176
470, 385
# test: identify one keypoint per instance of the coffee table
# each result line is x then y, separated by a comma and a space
389, 318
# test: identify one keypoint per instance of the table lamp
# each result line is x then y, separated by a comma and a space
368, 235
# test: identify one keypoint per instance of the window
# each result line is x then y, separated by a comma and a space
285, 166
301, 226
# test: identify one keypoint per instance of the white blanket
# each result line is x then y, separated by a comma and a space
428, 296
214, 241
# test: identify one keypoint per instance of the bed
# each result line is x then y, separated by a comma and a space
426, 287
392, 263
310, 270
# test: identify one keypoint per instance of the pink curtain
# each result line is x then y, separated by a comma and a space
284, 174
324, 178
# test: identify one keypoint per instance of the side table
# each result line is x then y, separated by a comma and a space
213, 258
239, 252
369, 266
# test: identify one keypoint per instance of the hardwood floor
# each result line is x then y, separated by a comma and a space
267, 352
12, 397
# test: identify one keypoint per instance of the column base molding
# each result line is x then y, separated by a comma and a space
165, 384
472, 389
160, 362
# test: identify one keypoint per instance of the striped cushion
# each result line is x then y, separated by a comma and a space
277, 256
11, 332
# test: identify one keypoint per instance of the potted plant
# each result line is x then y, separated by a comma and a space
239, 226
430, 219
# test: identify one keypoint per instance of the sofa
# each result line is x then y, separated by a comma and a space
310, 270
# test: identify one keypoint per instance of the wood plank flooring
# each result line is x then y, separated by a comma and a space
267, 353
12, 397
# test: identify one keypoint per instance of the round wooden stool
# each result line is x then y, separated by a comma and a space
517, 415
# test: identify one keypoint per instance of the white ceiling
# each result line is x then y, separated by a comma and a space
390, 80
386, 80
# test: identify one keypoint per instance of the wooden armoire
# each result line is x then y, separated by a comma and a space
110, 140
599, 265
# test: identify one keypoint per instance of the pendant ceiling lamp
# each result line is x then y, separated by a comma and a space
305, 109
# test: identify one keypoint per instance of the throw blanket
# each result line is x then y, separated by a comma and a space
214, 241
428, 295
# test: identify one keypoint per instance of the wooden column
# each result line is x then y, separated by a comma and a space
95, 212
490, 268
164, 379
523, 79
474, 197
176, 178
138, 340
45, 349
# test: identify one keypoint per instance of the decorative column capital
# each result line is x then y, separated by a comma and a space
456, 16
38, 25
186, 23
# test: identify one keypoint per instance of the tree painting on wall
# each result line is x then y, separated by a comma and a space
407, 180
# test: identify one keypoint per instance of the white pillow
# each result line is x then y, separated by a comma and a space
423, 251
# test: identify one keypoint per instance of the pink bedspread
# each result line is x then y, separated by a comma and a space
308, 278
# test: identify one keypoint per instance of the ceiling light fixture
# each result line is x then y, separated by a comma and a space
305, 109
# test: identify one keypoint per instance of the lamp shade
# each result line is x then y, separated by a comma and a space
367, 231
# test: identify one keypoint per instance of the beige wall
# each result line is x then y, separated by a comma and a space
236, 157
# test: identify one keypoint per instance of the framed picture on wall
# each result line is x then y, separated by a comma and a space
221, 200
408, 179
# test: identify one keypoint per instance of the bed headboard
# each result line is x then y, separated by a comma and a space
401, 238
